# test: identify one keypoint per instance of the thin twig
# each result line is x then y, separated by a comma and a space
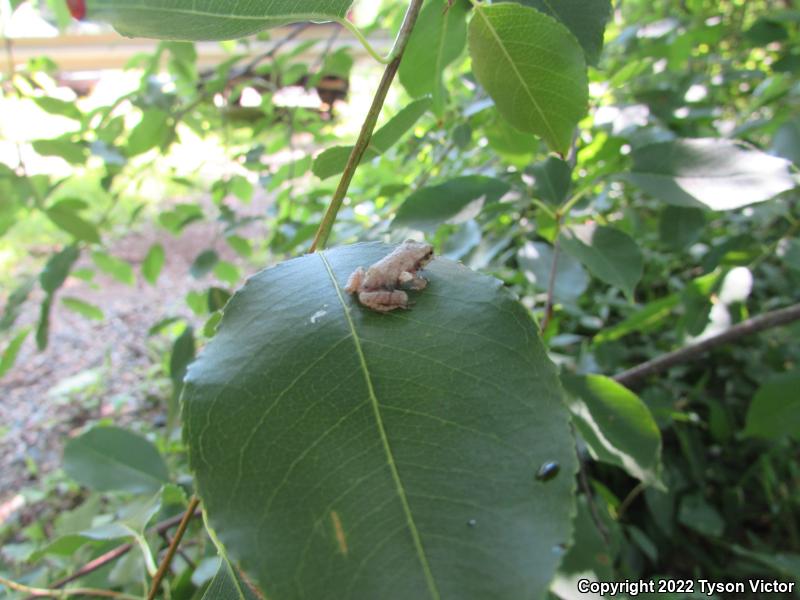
324, 231
167, 560
633, 376
632, 495
113, 554
551, 286
55, 593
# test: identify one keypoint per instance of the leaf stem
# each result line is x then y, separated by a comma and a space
364, 136
49, 593
350, 26
165, 562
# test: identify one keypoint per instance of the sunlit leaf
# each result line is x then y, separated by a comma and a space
210, 20
709, 173
532, 67
153, 263
616, 424
83, 308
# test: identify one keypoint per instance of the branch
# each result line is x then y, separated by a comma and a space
551, 287
50, 593
325, 227
114, 553
167, 560
633, 376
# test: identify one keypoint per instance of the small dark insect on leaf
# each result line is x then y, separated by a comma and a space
547, 471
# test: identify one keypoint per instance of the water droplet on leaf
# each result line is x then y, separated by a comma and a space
472, 522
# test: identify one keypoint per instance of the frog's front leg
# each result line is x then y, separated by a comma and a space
412, 281
384, 300
355, 280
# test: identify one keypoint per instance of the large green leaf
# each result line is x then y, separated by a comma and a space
343, 453
333, 160
454, 201
111, 458
209, 19
616, 424
709, 173
586, 19
532, 67
438, 38
610, 254
775, 409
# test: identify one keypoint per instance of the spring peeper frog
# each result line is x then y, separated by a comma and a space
379, 287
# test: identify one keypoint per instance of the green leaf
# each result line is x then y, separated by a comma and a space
454, 201
151, 131
43, 326
71, 151
90, 311
55, 106
553, 180
9, 356
332, 445
183, 352
679, 227
117, 268
650, 315
437, 40
333, 160
775, 409
787, 141
15, 301
586, 19
697, 514
213, 20
64, 215
203, 263
616, 424
610, 254
709, 173
114, 459
535, 259
228, 272
533, 68
153, 263
229, 585
240, 245
57, 268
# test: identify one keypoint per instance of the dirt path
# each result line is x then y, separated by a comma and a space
96, 368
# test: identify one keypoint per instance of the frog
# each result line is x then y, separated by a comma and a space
382, 287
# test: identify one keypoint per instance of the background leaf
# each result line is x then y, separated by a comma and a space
90, 311
115, 459
536, 262
57, 268
117, 268
153, 263
9, 356
228, 585
586, 19
553, 178
775, 409
547, 96
454, 201
709, 173
212, 20
438, 39
616, 424
65, 217
610, 254
371, 443
332, 161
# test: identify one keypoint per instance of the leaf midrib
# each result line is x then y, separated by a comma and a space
491, 29
300, 16
412, 526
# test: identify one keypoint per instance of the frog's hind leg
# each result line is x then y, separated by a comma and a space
384, 300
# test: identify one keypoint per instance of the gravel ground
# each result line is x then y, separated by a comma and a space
110, 360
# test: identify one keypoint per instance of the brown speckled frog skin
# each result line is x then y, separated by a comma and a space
379, 287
